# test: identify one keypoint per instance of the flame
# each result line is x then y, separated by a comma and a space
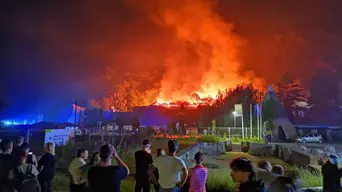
206, 58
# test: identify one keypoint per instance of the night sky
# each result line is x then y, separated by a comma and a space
57, 51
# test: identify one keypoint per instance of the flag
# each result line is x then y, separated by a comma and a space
257, 109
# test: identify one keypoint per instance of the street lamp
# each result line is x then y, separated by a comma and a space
234, 113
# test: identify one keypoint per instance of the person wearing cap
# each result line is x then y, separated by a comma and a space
243, 174
331, 173
143, 160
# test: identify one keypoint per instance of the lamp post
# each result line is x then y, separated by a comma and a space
234, 114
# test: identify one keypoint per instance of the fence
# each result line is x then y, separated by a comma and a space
232, 132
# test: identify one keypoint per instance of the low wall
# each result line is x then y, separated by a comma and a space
287, 154
188, 153
214, 149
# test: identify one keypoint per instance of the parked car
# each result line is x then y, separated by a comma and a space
311, 138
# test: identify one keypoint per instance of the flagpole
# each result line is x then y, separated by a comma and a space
257, 119
261, 123
243, 128
251, 120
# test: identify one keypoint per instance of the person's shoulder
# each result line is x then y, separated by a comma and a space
117, 169
139, 153
73, 161
178, 159
92, 170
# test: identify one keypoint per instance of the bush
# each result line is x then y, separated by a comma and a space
251, 140
245, 146
211, 139
308, 177
228, 146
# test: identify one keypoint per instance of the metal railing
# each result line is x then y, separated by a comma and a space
231, 132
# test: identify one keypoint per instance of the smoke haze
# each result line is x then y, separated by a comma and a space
62, 50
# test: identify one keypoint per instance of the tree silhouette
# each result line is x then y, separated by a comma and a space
290, 93
139, 90
244, 93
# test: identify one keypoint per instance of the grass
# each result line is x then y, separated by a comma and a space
309, 178
61, 182
219, 180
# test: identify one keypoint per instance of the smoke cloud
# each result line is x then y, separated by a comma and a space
192, 45
205, 57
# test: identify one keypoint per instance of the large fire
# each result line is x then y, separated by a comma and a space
207, 56
200, 60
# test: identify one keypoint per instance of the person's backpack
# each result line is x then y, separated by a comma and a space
27, 182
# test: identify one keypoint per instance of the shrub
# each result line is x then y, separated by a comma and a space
251, 140
308, 177
211, 139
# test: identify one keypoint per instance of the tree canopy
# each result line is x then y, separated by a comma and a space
290, 92
138, 90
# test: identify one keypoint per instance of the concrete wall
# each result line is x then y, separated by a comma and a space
287, 154
188, 154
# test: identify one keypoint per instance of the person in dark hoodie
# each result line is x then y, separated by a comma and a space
331, 173
283, 184
243, 174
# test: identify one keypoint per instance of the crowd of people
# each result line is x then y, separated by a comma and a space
21, 171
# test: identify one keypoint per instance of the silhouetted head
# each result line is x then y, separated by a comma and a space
95, 159
242, 170
278, 169
263, 164
198, 157
160, 152
146, 144
283, 184
50, 148
19, 141
173, 147
106, 153
22, 156
6, 146
25, 147
82, 153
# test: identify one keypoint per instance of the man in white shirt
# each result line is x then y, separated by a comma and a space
78, 180
172, 169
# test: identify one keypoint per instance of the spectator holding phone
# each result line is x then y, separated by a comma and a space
106, 177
